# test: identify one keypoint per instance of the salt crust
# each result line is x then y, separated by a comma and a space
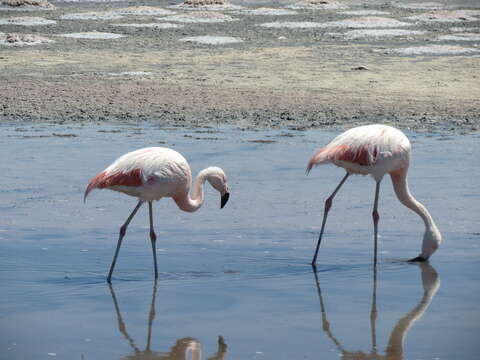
93, 15
364, 12
421, 6
212, 40
460, 37
119, 13
434, 50
264, 11
355, 23
293, 25
381, 33
198, 17
26, 21
215, 5
131, 73
462, 29
318, 4
93, 35
447, 16
144, 11
368, 22
204, 2
151, 25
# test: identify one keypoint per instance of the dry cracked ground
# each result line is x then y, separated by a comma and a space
249, 63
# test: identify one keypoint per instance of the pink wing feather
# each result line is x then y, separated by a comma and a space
363, 145
105, 180
365, 155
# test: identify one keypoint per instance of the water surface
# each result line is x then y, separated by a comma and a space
234, 283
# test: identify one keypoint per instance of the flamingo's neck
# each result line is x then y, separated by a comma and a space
195, 201
400, 185
432, 236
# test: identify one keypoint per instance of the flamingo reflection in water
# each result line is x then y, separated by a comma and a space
186, 348
395, 347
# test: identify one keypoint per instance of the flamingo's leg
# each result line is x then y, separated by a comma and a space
375, 217
123, 230
121, 324
151, 316
373, 313
153, 239
328, 205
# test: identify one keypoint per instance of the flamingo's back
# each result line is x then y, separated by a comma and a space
370, 149
149, 174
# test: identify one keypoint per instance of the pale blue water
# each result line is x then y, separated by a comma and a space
241, 272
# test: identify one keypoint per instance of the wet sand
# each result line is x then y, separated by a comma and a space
273, 77
234, 283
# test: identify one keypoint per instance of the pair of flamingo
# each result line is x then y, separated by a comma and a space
152, 173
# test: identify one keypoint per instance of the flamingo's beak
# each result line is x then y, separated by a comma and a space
418, 259
224, 200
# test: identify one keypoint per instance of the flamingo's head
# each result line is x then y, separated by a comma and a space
217, 178
431, 241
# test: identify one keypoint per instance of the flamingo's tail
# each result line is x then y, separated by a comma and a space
97, 182
107, 179
365, 155
322, 156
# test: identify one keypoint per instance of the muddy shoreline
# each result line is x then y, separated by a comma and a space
276, 77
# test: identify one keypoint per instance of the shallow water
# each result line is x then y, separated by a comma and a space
242, 272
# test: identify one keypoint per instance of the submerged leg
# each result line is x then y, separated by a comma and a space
151, 315
375, 217
153, 239
123, 230
325, 322
328, 205
373, 312
121, 324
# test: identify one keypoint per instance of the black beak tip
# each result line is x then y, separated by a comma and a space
418, 259
224, 200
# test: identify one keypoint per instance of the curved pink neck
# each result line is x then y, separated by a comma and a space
193, 203
400, 185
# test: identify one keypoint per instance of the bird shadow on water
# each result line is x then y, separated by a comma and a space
184, 348
395, 348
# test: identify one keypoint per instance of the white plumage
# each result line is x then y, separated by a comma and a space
151, 174
376, 150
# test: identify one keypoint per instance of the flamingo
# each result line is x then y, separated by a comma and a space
151, 174
376, 150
